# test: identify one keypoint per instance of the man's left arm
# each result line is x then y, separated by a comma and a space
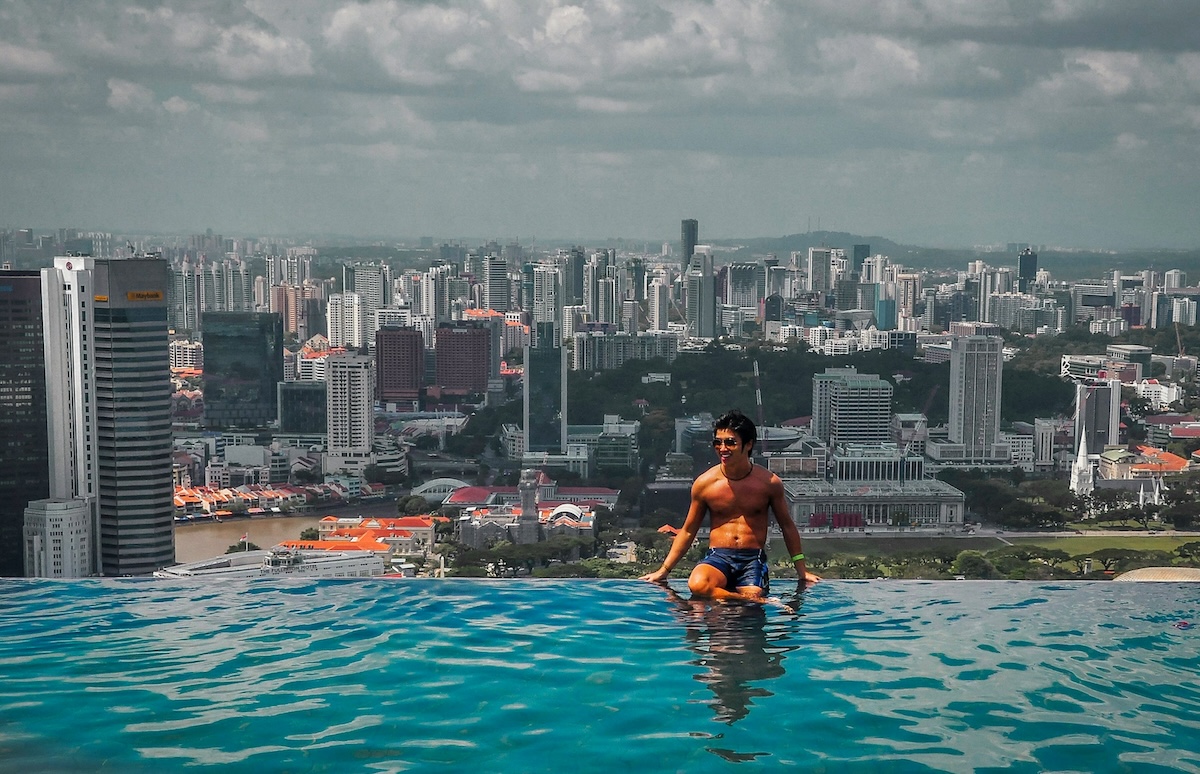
791, 535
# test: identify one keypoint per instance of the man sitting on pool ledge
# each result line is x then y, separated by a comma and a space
736, 494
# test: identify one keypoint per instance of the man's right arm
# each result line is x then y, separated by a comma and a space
687, 534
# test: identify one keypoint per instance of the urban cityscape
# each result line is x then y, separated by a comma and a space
377, 381
154, 386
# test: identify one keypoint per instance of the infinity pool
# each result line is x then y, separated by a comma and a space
580, 676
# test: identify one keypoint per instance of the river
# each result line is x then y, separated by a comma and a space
204, 540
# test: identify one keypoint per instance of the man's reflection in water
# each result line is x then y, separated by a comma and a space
735, 647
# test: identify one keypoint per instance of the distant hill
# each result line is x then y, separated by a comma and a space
1063, 265
909, 255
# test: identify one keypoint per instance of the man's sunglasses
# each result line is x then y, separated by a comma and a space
728, 443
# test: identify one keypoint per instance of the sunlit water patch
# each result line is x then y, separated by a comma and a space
578, 676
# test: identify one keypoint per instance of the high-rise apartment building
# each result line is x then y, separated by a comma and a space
109, 404
243, 363
24, 451
607, 309
186, 305
347, 321
373, 284
350, 412
399, 364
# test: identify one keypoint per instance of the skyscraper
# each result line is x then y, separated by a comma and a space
859, 256
819, 269
745, 284
1098, 413
660, 304
547, 295
702, 296
545, 392
109, 403
303, 407
243, 363
689, 237
849, 407
976, 371
24, 453
399, 364
462, 353
495, 284
1027, 267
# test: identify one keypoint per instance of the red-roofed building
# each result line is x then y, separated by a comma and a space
549, 492
531, 521
1140, 462
410, 535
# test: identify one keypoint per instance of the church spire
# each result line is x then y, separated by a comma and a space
1081, 472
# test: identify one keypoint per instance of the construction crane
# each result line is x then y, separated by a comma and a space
759, 405
924, 420
1178, 338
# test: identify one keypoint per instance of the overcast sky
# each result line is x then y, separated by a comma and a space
936, 122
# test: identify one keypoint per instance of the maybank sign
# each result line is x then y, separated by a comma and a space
144, 295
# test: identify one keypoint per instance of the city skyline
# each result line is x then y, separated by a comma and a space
942, 124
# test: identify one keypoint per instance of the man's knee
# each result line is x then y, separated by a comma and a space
704, 580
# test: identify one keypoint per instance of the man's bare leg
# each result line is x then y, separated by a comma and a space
708, 581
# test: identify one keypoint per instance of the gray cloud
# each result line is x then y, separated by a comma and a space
934, 121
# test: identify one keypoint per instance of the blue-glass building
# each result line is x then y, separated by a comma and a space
243, 363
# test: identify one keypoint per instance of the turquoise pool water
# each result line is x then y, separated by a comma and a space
579, 676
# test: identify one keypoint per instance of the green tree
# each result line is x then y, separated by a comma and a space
311, 533
1189, 550
306, 476
412, 505
973, 564
238, 548
661, 516
1111, 558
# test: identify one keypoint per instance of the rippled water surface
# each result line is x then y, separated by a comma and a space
576, 676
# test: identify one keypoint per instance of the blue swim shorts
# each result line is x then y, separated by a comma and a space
740, 566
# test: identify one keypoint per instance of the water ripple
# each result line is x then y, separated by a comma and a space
134, 675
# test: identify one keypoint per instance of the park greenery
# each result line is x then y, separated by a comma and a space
839, 558
722, 377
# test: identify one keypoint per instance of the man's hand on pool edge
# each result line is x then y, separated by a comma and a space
658, 576
808, 579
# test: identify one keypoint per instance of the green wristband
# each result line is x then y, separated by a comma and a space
798, 558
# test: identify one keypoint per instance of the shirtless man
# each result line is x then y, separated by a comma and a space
737, 494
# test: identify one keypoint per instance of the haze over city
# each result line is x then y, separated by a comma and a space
936, 123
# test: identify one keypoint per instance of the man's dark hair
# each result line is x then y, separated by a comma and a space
740, 424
